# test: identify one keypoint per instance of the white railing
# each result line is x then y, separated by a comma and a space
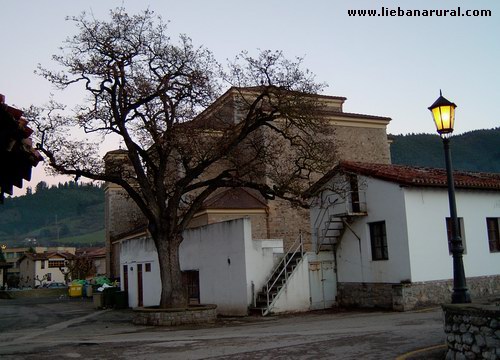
282, 268
337, 205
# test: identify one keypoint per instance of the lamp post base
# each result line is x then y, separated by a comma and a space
460, 297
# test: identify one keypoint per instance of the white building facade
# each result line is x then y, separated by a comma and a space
226, 267
392, 248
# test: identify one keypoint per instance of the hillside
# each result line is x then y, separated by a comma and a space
69, 214
472, 151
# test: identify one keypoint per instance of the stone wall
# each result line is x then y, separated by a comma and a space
364, 144
405, 297
473, 331
413, 295
377, 295
172, 317
121, 215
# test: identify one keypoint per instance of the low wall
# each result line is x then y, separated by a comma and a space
408, 296
472, 331
419, 294
365, 295
33, 293
198, 314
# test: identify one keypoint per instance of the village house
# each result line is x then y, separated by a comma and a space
389, 230
13, 254
270, 228
38, 269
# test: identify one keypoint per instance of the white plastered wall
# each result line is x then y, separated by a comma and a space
426, 212
385, 202
225, 256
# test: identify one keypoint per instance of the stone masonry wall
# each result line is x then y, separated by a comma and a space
410, 296
472, 331
365, 295
173, 317
363, 144
121, 215
405, 297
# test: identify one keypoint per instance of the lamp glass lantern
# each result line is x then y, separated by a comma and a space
443, 113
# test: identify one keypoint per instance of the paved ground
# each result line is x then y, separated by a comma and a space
71, 329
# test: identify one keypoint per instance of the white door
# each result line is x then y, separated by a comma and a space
323, 282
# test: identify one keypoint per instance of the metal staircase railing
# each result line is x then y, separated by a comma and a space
279, 277
337, 210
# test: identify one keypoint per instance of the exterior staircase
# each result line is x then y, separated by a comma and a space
264, 300
335, 216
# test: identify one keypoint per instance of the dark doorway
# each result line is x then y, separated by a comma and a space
139, 285
125, 278
353, 182
191, 280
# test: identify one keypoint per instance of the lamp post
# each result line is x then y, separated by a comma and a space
443, 113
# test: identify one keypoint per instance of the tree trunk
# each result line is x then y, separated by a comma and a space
173, 293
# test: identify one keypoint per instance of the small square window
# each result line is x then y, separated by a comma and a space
461, 233
148, 267
378, 238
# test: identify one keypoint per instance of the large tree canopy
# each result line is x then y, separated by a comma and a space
183, 137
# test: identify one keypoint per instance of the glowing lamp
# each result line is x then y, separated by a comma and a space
443, 113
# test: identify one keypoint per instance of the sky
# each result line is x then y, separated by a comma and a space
383, 65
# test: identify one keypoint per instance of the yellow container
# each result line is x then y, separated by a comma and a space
75, 290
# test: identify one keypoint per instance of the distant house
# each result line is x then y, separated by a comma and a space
39, 269
387, 227
12, 256
97, 256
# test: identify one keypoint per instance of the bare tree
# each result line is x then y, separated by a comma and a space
183, 140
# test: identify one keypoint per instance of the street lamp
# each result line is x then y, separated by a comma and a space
443, 113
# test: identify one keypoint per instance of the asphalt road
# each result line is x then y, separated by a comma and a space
72, 329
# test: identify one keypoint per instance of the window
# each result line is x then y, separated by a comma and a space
461, 233
42, 264
148, 267
49, 276
492, 225
378, 238
56, 263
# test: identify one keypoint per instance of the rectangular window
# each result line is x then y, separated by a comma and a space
49, 276
461, 233
492, 225
42, 264
148, 267
56, 263
378, 238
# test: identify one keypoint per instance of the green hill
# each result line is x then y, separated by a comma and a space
477, 150
69, 214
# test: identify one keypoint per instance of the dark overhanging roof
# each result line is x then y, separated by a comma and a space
17, 155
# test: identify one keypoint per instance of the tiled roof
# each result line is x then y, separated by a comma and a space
423, 177
237, 198
47, 255
17, 155
93, 252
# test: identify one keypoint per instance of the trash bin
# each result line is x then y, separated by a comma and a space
121, 300
88, 290
108, 298
75, 290
97, 298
